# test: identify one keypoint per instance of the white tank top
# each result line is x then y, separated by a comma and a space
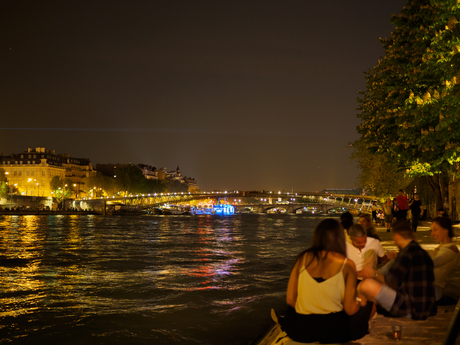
320, 298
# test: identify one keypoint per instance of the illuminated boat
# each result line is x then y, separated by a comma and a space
219, 209
172, 209
224, 209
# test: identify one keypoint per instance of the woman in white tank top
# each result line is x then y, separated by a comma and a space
321, 295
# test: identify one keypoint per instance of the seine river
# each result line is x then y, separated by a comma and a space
145, 279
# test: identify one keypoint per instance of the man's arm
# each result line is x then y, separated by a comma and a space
368, 272
398, 271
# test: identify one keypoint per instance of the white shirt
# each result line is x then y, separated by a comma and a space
357, 255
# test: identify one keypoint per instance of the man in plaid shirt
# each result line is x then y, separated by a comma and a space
408, 288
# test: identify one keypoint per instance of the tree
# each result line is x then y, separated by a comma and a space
154, 186
131, 179
61, 187
174, 186
3, 184
409, 108
100, 182
379, 175
56, 183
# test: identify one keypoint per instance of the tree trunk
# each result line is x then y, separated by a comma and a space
444, 182
439, 184
433, 182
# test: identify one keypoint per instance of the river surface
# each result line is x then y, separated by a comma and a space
145, 279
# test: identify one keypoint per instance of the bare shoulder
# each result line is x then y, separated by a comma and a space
350, 265
340, 259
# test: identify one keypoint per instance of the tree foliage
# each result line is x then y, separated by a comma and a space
176, 187
379, 175
409, 110
61, 187
98, 181
3, 184
129, 180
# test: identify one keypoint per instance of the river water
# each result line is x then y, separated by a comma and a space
145, 279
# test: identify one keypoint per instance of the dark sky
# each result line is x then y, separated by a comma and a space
240, 94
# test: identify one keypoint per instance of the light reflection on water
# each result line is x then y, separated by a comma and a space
109, 280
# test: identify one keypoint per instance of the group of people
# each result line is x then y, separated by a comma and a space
336, 281
397, 209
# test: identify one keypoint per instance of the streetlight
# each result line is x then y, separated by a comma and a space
63, 197
11, 190
27, 184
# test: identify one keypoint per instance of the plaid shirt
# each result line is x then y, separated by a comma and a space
413, 279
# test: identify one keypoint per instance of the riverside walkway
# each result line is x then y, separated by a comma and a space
431, 331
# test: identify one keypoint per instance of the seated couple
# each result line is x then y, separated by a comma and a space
324, 303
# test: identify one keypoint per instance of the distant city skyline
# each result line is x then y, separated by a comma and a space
240, 95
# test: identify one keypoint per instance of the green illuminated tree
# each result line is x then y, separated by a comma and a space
3, 184
409, 110
99, 181
58, 186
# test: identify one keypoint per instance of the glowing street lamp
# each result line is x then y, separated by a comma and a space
63, 197
27, 184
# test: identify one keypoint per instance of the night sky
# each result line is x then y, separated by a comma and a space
238, 94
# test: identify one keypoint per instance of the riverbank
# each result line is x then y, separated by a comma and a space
44, 213
431, 331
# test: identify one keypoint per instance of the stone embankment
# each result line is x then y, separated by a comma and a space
431, 331
42, 213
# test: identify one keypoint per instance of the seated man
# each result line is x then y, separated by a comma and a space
363, 250
408, 287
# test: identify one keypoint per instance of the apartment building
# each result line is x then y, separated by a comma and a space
31, 171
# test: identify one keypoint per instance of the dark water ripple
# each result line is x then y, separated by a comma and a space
144, 280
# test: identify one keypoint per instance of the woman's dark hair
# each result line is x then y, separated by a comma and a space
445, 223
328, 236
346, 219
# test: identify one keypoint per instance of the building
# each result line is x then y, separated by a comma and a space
192, 185
150, 172
174, 175
31, 171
